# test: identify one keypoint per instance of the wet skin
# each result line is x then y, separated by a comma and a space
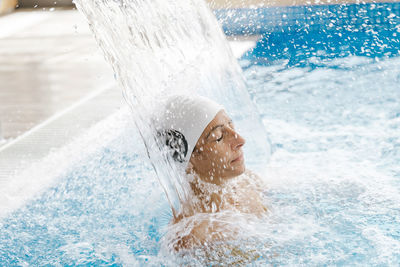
216, 160
218, 154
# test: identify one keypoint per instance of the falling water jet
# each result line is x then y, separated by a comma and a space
158, 48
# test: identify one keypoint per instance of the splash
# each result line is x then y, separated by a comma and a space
158, 48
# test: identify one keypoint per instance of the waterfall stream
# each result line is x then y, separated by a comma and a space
158, 48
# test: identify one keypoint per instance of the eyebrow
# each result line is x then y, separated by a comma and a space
214, 128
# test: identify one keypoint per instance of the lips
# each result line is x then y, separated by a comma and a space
238, 159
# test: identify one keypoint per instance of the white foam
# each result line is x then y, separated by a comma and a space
30, 182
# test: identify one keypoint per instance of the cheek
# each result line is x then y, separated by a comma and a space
219, 154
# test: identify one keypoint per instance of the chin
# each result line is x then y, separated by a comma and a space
238, 171
242, 169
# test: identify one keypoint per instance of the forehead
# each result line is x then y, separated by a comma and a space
220, 119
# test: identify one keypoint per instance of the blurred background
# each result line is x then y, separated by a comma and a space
48, 61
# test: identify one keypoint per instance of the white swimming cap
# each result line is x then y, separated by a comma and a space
183, 121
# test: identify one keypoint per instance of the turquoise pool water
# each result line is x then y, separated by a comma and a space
332, 113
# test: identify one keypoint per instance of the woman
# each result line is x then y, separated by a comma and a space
205, 143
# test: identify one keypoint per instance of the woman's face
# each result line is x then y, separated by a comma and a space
218, 154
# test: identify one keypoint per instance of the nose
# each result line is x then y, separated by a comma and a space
237, 141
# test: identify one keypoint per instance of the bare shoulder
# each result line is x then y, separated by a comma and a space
252, 174
256, 181
199, 230
211, 240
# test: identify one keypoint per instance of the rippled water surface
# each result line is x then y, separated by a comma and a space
334, 175
333, 180
332, 190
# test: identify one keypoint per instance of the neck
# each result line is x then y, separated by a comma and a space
217, 181
209, 195
210, 178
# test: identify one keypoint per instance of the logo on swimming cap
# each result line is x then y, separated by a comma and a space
177, 142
